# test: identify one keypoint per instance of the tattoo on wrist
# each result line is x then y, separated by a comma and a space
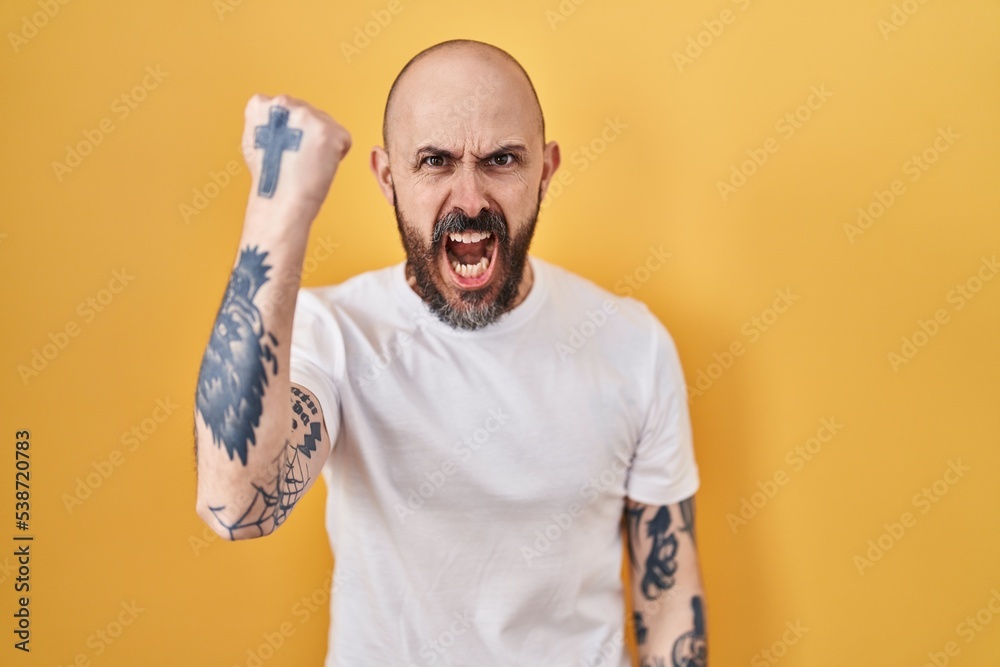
233, 373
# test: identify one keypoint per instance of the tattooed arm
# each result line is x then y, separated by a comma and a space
667, 595
260, 441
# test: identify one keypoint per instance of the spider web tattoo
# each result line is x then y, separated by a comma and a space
275, 497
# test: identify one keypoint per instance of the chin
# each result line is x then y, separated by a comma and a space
469, 272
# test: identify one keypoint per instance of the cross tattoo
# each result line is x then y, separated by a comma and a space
275, 138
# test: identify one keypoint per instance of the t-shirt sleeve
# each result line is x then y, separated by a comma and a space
317, 356
663, 469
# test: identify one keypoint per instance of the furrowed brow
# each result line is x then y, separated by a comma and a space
429, 149
518, 150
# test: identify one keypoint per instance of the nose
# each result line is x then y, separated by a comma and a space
468, 192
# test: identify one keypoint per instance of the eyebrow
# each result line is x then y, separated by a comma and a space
516, 148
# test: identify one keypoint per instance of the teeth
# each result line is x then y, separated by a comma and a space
468, 237
471, 270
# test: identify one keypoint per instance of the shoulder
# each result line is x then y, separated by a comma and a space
580, 299
361, 292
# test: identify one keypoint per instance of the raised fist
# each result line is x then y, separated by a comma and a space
292, 150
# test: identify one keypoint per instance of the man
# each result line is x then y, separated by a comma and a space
485, 422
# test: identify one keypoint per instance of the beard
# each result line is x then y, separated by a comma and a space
473, 308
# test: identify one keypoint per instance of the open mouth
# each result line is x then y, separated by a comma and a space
470, 258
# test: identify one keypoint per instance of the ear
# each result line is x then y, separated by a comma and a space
380, 168
550, 163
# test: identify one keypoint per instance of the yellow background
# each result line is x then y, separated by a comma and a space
137, 538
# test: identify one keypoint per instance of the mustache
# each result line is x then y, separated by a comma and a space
457, 222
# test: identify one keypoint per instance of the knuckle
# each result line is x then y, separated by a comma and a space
253, 104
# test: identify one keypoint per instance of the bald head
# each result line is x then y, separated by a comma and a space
460, 80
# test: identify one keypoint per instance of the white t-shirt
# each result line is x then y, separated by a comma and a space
477, 479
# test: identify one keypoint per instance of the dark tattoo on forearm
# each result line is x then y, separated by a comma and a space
640, 628
661, 563
687, 513
691, 649
656, 574
633, 519
275, 498
233, 372
275, 138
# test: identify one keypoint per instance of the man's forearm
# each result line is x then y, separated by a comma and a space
255, 460
243, 413
670, 632
668, 609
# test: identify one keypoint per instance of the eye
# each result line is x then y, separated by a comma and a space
433, 161
502, 160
